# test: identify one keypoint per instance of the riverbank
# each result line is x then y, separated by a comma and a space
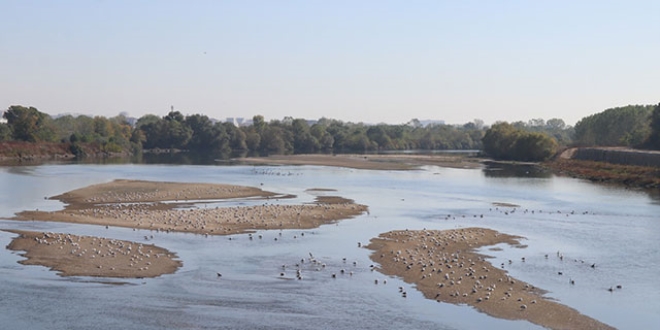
603, 172
392, 162
19, 153
444, 266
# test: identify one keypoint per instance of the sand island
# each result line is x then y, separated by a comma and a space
166, 206
444, 266
72, 255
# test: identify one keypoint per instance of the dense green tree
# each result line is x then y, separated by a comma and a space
506, 141
5, 132
499, 140
325, 139
236, 136
622, 126
203, 135
27, 123
653, 141
303, 140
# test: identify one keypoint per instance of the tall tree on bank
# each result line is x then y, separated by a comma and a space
506, 142
623, 126
29, 124
653, 142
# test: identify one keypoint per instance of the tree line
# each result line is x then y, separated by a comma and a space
534, 140
634, 126
198, 132
628, 126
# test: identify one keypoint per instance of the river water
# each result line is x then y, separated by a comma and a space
615, 228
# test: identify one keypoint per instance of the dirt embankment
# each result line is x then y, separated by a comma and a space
620, 156
610, 165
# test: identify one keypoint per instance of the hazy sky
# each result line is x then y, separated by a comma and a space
371, 61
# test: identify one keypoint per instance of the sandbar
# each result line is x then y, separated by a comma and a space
140, 205
444, 266
72, 255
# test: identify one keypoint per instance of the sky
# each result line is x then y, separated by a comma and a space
357, 61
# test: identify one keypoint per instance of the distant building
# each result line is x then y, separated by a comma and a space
2, 118
238, 121
430, 122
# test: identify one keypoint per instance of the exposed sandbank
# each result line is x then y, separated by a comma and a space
72, 255
138, 205
444, 266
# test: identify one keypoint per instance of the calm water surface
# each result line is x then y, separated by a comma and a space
614, 228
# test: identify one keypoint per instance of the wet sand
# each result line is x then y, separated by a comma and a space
445, 267
72, 255
368, 162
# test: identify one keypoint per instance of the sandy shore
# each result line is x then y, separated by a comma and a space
444, 267
72, 255
368, 162
139, 205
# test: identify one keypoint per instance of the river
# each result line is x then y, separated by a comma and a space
614, 228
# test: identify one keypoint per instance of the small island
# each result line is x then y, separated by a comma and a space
72, 255
169, 207
162, 207
444, 266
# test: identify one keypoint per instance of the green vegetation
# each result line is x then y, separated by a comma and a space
505, 141
623, 126
653, 141
28, 124
199, 133
535, 140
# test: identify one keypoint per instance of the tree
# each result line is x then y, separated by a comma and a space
25, 122
499, 140
653, 140
236, 137
623, 126
504, 141
5, 132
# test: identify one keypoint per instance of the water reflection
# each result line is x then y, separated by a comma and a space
504, 170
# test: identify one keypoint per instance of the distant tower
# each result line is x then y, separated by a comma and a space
172, 108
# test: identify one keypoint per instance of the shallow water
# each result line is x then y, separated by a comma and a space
618, 233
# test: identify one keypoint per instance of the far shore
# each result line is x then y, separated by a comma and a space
392, 162
444, 266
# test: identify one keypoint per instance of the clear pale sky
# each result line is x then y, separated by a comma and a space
370, 61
